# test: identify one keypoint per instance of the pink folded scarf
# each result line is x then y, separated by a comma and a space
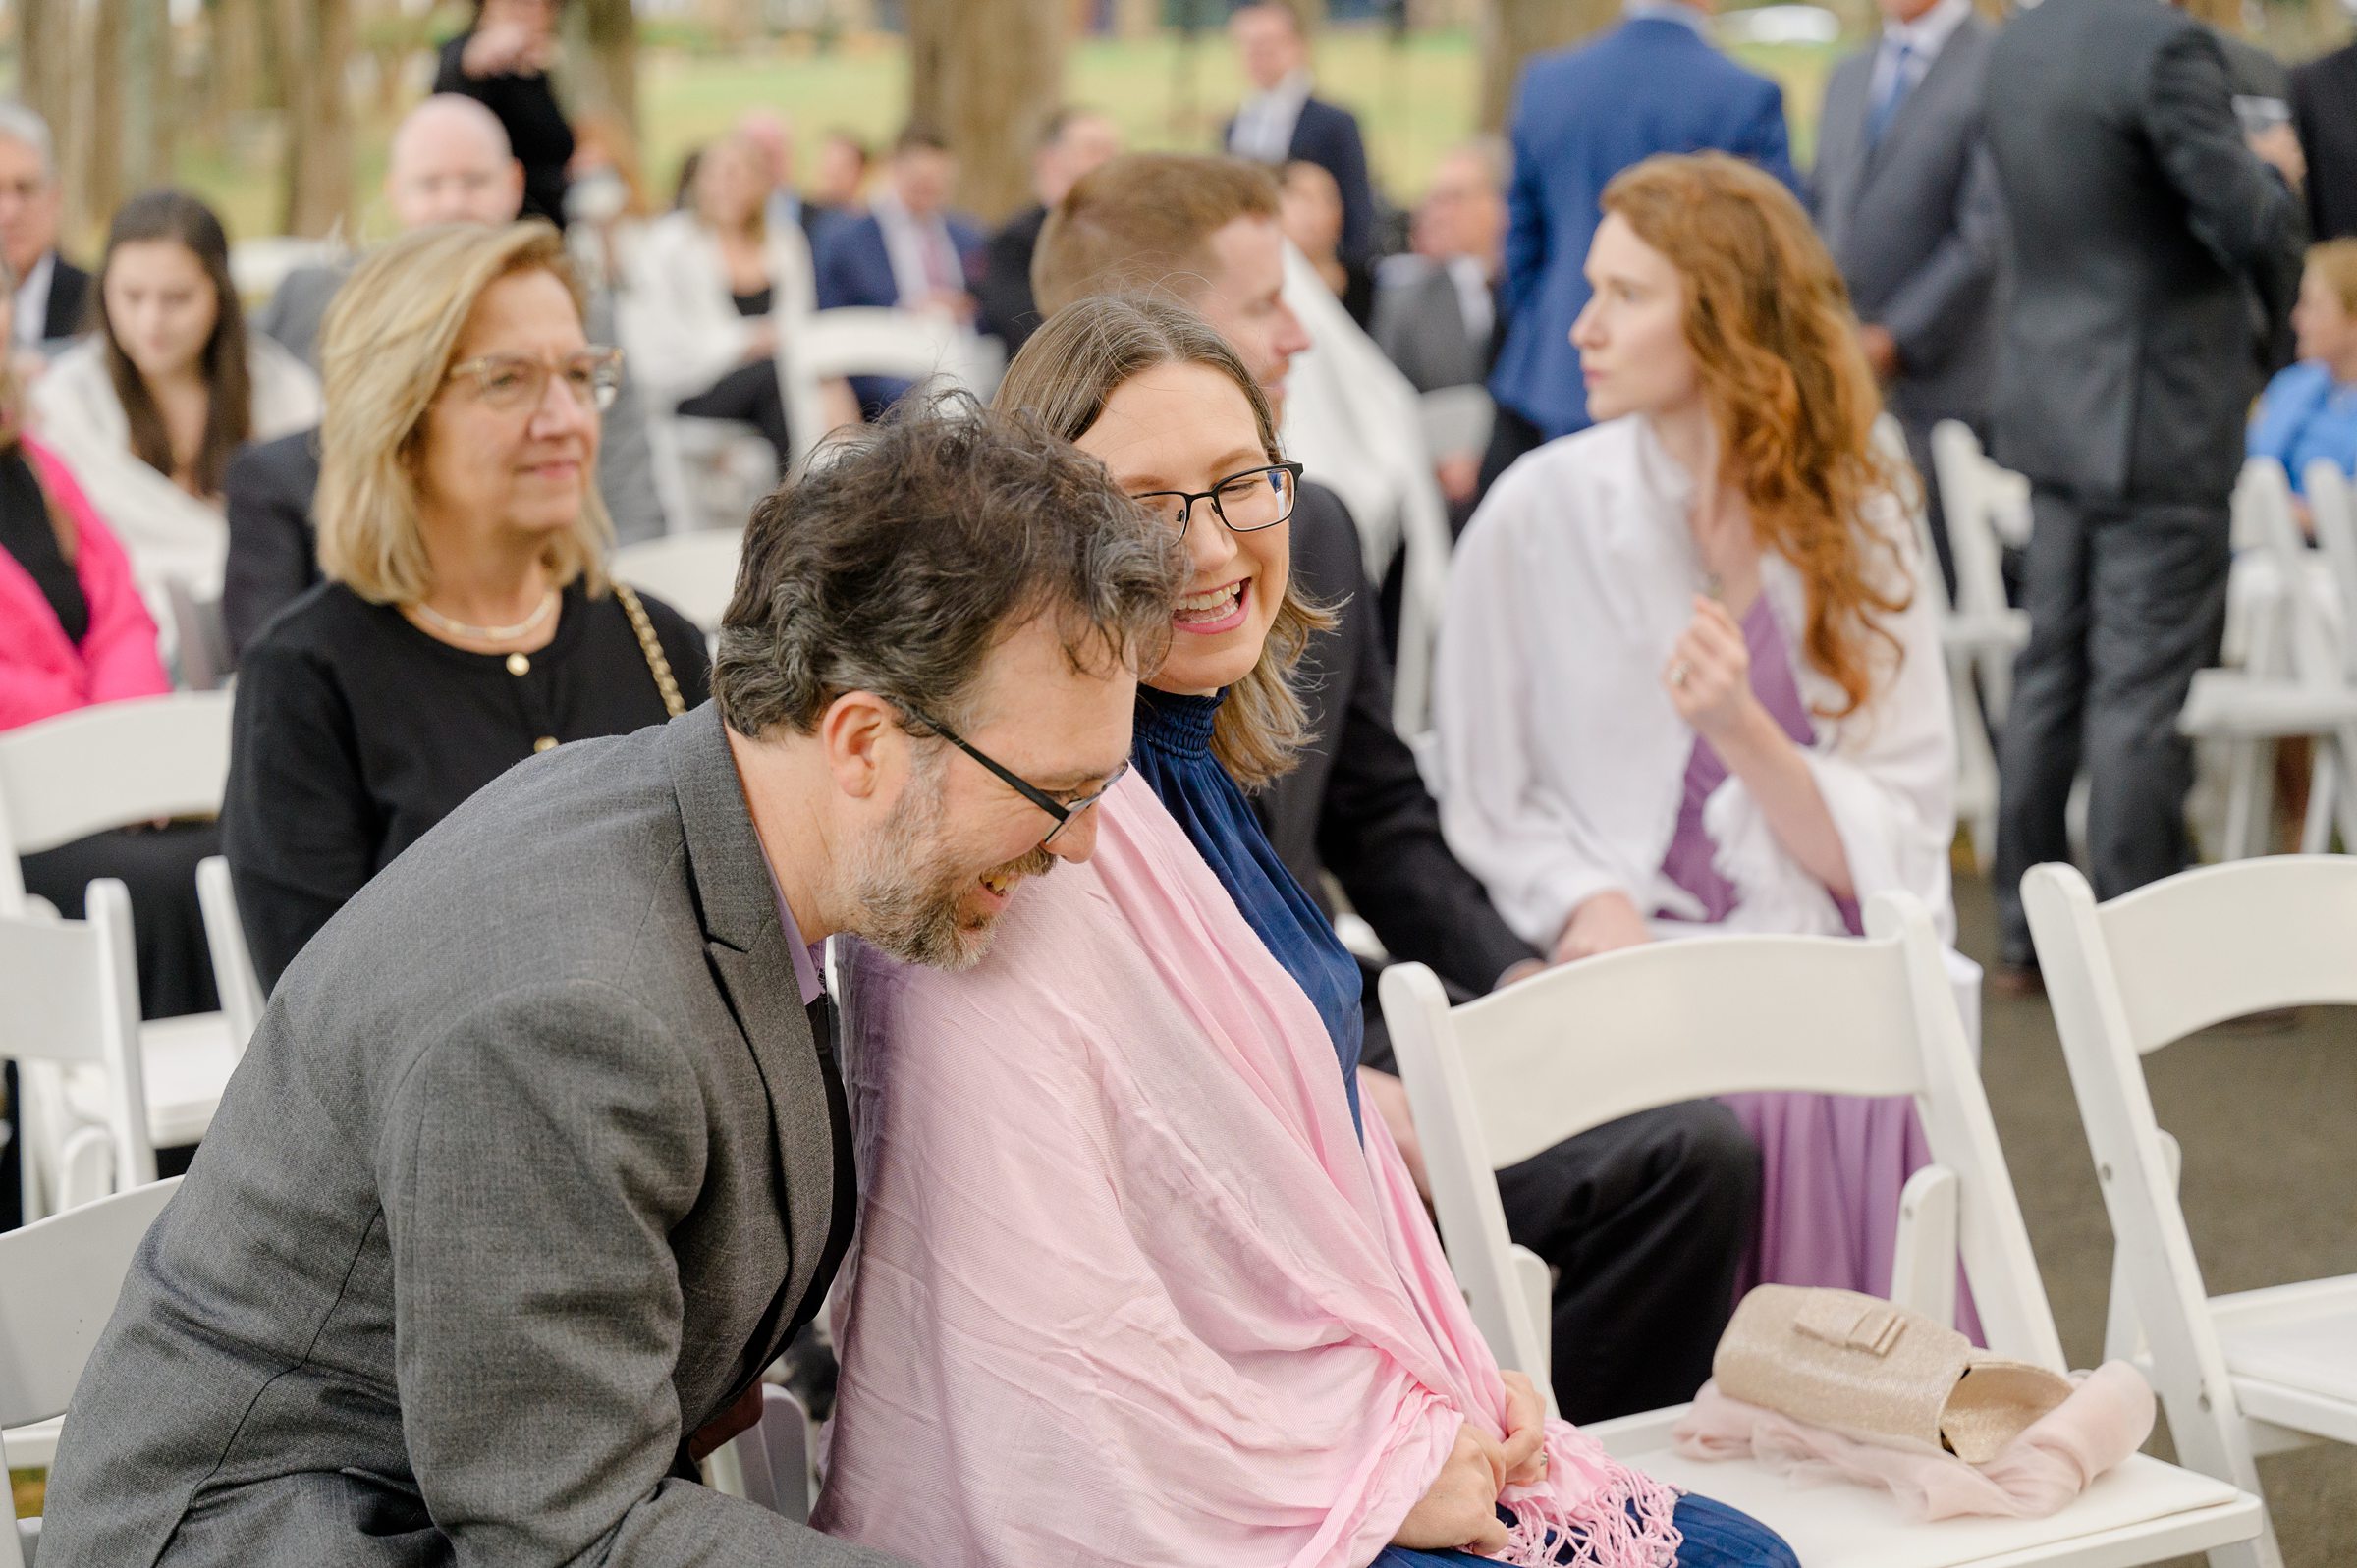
1127, 1289
2105, 1418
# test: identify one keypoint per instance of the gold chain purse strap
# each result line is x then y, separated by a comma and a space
657, 660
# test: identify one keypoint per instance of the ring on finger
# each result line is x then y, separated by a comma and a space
1679, 673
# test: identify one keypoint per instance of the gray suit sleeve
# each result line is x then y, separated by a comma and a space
2238, 207
531, 1169
1937, 308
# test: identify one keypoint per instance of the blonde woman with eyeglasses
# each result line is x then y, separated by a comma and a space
467, 620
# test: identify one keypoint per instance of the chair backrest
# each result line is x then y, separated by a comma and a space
108, 766
692, 572
241, 989
906, 344
1973, 493
72, 993
1503, 1078
59, 1279
2263, 511
2334, 516
2143, 971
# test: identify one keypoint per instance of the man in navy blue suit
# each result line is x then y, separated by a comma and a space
1655, 83
1280, 123
907, 250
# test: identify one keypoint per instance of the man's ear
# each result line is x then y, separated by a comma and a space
861, 737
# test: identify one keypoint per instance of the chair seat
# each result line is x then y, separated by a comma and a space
2292, 1351
33, 1447
2003, 631
2142, 1512
186, 1062
2230, 704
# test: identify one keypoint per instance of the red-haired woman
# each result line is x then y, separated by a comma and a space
1684, 677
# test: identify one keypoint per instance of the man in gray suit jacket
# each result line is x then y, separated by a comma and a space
2141, 228
537, 1160
450, 163
1907, 199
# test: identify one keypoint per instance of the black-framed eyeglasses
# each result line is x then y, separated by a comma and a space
1062, 811
1247, 501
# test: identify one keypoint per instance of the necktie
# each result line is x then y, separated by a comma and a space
1894, 93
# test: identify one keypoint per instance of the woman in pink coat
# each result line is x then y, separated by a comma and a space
74, 633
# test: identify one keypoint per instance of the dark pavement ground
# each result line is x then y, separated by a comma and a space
2269, 1125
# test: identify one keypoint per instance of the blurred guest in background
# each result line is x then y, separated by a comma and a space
605, 199
148, 409
52, 295
1436, 308
908, 249
1906, 201
783, 207
467, 620
839, 182
503, 60
2309, 411
1311, 213
1688, 678
450, 164
2142, 227
1655, 83
73, 633
2324, 109
1072, 144
703, 291
1281, 122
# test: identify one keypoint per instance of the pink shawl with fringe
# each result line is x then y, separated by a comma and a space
1127, 1289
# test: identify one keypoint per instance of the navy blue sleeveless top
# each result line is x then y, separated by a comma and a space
1171, 753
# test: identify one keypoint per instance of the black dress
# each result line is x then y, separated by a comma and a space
355, 733
537, 131
749, 393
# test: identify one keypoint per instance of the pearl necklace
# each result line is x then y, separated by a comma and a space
460, 628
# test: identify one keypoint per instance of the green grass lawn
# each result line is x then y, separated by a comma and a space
1414, 102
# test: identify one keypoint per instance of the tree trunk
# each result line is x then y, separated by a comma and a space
97, 180
148, 94
315, 45
1512, 30
603, 35
232, 62
47, 48
988, 74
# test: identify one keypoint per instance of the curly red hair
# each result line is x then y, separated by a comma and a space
1770, 323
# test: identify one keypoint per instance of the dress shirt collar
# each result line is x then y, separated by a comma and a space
1288, 96
32, 300
1685, 15
805, 955
1927, 35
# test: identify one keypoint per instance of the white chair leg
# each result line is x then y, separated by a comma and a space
1923, 1267
2316, 831
2342, 749
2247, 796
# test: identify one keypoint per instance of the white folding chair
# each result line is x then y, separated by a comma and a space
2251, 709
2260, 1371
771, 1463
1979, 632
905, 345
72, 993
1501, 1079
692, 572
58, 1283
241, 999
103, 767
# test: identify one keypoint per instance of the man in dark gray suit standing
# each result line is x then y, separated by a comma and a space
1907, 199
2143, 227
539, 1159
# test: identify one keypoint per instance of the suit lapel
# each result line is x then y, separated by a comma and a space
1841, 147
1945, 66
746, 948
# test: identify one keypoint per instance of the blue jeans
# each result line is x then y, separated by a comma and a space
1716, 1536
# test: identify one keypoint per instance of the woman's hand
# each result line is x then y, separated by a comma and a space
1525, 1452
1460, 1511
1709, 674
1606, 921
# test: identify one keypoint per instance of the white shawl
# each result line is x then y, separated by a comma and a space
679, 325
169, 534
1560, 761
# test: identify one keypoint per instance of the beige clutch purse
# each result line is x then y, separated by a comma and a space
1868, 1370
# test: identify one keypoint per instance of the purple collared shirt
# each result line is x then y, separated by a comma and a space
806, 955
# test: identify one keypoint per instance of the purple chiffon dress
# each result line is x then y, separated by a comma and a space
1831, 1166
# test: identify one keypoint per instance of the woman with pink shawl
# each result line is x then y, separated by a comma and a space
1133, 1283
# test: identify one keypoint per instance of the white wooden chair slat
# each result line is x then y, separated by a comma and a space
2137, 974
241, 989
108, 766
59, 1279
1501, 1078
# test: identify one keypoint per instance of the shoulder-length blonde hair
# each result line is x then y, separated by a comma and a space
1793, 398
386, 350
1063, 379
